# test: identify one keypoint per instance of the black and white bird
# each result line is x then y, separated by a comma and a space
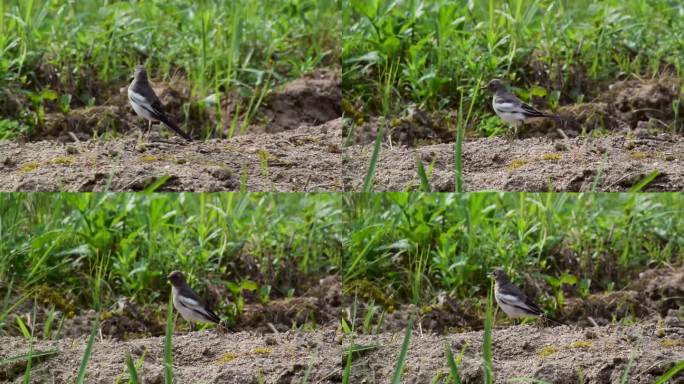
510, 108
190, 306
513, 301
146, 104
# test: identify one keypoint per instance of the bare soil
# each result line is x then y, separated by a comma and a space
276, 343
559, 355
630, 117
644, 320
198, 357
293, 145
608, 163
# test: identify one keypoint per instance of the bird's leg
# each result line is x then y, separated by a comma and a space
149, 129
192, 327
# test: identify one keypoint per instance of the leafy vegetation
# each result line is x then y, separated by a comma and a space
412, 247
88, 250
57, 56
436, 53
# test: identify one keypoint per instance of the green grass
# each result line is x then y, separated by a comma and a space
83, 367
168, 343
58, 56
414, 246
401, 359
80, 251
444, 48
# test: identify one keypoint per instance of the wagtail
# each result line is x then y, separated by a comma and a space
146, 104
512, 300
510, 108
188, 304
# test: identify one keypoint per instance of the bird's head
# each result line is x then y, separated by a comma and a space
499, 275
140, 72
496, 85
176, 278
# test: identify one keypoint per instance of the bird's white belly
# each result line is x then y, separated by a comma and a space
511, 118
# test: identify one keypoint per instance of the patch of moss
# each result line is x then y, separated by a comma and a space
426, 309
552, 156
149, 158
50, 297
547, 351
517, 164
64, 160
349, 110
638, 155
262, 351
106, 315
669, 343
371, 292
581, 344
226, 358
29, 167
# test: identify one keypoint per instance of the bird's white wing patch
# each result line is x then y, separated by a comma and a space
138, 98
507, 107
509, 299
190, 303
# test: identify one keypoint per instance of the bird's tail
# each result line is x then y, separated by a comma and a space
174, 127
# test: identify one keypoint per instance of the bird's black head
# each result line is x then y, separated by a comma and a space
140, 72
176, 278
496, 85
500, 275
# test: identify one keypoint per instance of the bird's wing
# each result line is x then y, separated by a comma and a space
151, 103
507, 102
511, 295
191, 301
531, 111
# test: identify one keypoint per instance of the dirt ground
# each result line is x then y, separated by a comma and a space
609, 163
294, 145
645, 318
629, 115
198, 357
559, 355
270, 342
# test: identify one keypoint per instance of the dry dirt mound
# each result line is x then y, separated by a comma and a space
302, 159
318, 306
206, 357
558, 355
309, 101
609, 163
641, 105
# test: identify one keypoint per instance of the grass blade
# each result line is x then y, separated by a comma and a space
168, 344
458, 155
453, 367
399, 367
312, 361
29, 355
487, 364
370, 175
80, 379
132, 371
670, 373
424, 182
644, 182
